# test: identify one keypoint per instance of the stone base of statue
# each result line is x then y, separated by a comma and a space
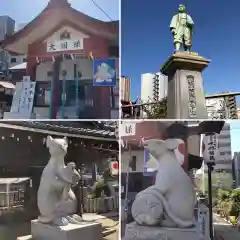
186, 99
85, 231
136, 232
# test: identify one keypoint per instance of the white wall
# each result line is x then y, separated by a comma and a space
42, 70
163, 86
147, 86
83, 65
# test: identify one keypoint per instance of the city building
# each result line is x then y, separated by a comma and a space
153, 86
7, 26
236, 168
14, 60
20, 26
59, 59
221, 106
238, 113
224, 162
125, 88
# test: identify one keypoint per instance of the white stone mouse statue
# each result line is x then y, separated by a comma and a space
171, 200
56, 201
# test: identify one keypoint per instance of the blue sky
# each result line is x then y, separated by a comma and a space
23, 11
147, 41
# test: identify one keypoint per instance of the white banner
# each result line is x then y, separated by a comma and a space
16, 97
65, 45
210, 148
23, 98
127, 129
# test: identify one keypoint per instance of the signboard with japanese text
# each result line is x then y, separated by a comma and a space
127, 129
23, 98
16, 97
26, 103
210, 149
203, 221
65, 45
104, 72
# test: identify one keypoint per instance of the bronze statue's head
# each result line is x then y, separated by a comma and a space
181, 8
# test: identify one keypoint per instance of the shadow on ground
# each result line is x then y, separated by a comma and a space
11, 232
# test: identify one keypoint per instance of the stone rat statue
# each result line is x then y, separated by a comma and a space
171, 200
56, 201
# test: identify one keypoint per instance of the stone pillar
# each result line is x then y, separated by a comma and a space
186, 98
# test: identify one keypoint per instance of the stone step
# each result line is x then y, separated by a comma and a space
107, 232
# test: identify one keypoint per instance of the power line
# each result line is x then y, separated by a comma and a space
101, 10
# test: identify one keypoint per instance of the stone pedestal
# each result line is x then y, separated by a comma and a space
136, 232
85, 231
186, 99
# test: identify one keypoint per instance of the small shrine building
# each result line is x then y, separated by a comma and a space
60, 44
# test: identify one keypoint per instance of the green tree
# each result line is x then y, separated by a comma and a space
157, 110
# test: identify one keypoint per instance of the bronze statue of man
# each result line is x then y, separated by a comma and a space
182, 27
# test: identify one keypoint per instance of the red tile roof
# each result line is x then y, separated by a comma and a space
111, 27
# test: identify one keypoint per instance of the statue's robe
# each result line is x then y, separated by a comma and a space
182, 24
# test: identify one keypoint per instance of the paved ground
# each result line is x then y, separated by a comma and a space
113, 236
224, 230
108, 221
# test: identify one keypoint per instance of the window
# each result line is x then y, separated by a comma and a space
24, 60
225, 136
13, 60
42, 93
134, 163
226, 153
228, 144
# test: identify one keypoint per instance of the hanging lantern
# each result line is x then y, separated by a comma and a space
210, 148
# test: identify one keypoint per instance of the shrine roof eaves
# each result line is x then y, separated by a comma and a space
111, 26
63, 128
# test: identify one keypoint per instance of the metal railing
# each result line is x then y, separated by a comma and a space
152, 109
144, 110
103, 204
11, 199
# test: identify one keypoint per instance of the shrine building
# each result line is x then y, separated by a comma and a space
60, 44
